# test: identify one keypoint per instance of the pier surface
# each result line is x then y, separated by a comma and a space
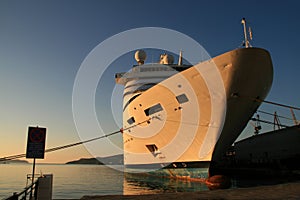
281, 191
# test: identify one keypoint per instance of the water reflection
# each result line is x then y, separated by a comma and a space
75, 181
145, 184
135, 184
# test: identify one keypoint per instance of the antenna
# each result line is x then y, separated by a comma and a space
247, 43
180, 58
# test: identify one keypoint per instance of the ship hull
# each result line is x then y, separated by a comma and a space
191, 118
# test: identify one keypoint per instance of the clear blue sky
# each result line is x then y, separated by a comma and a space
43, 43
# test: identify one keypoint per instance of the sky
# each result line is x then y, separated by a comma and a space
44, 43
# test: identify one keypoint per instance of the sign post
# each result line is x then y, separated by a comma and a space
36, 140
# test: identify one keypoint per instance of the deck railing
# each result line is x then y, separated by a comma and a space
29, 192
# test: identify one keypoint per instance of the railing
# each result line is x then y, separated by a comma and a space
29, 192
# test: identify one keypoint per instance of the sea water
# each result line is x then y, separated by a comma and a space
75, 181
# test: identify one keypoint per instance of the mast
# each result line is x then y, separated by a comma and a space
180, 58
247, 44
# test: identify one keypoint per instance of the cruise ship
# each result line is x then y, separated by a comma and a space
180, 119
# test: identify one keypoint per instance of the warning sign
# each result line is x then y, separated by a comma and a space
36, 142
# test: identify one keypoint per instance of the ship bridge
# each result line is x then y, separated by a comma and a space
162, 70
144, 76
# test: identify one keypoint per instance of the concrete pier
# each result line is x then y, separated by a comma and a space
289, 191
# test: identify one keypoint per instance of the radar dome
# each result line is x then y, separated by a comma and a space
140, 56
166, 59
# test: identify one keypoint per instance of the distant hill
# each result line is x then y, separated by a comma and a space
88, 161
110, 160
14, 161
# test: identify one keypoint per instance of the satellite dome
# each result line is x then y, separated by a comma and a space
140, 56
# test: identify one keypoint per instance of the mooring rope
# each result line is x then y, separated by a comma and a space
268, 122
236, 95
272, 114
13, 157
265, 101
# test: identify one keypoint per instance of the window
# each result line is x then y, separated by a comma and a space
145, 87
182, 98
153, 109
131, 120
130, 100
153, 149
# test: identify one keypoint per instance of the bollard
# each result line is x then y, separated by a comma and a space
44, 187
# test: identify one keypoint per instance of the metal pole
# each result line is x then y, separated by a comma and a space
245, 33
32, 181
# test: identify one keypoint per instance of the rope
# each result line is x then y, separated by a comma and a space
264, 101
278, 104
59, 147
13, 157
272, 114
268, 122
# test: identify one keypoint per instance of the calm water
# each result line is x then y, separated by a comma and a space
75, 181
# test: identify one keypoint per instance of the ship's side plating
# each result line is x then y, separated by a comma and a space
184, 120
247, 74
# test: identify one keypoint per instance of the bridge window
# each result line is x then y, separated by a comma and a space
145, 86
